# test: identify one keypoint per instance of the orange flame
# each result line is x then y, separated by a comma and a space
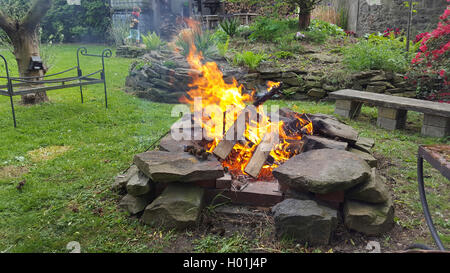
222, 102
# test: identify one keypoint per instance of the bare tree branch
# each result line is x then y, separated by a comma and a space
35, 14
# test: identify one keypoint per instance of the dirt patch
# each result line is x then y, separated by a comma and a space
47, 153
12, 171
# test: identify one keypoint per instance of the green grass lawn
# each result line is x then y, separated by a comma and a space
68, 154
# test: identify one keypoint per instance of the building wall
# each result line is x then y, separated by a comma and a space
367, 16
377, 15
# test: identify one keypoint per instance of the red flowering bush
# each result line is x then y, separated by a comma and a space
392, 31
420, 36
430, 69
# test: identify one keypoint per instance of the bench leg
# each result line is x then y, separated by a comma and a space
13, 112
347, 108
81, 91
391, 119
435, 126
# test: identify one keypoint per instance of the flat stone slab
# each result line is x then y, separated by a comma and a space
316, 142
364, 144
373, 191
178, 206
120, 182
424, 106
323, 171
333, 128
372, 161
168, 167
139, 184
305, 221
370, 219
169, 144
134, 204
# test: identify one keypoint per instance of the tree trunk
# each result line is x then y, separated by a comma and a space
304, 20
26, 45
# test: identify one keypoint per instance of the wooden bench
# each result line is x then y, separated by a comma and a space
392, 110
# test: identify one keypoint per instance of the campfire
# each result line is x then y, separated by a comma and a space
228, 148
235, 126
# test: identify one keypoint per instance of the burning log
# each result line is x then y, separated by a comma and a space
261, 154
247, 115
235, 132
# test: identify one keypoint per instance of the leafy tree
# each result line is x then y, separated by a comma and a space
89, 21
19, 20
306, 7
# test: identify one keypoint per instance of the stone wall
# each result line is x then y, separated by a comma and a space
164, 77
315, 85
377, 15
367, 16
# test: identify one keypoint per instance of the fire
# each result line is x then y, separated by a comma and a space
220, 103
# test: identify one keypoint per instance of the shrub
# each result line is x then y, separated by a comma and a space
230, 26
220, 36
152, 41
394, 40
203, 41
326, 28
316, 36
269, 29
288, 42
250, 59
244, 31
119, 33
223, 47
430, 68
367, 55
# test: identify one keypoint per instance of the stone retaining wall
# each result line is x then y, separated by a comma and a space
164, 77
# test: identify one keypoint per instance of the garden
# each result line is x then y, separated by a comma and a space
60, 168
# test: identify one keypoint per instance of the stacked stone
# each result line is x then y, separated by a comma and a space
130, 51
377, 81
167, 188
332, 177
164, 76
298, 84
301, 84
335, 176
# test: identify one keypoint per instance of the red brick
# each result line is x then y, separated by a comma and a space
208, 184
262, 194
224, 182
337, 196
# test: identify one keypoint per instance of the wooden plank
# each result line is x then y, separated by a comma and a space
234, 133
423, 106
260, 155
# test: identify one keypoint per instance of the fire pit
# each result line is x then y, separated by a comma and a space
313, 170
